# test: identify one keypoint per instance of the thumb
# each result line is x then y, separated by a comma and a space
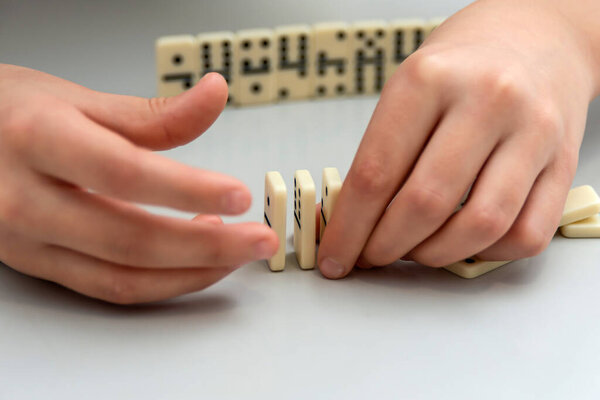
163, 122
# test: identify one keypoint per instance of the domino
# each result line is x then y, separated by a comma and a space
177, 59
255, 74
275, 215
217, 55
293, 66
582, 202
473, 267
330, 189
370, 50
586, 228
331, 58
406, 36
304, 219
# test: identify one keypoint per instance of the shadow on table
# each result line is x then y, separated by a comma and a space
18, 288
410, 275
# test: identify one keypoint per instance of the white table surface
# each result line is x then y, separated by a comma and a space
528, 330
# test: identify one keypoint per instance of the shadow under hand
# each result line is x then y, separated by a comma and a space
21, 289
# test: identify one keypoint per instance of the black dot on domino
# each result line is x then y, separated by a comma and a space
265, 43
326, 191
341, 35
268, 201
177, 59
256, 88
321, 90
283, 93
340, 89
470, 261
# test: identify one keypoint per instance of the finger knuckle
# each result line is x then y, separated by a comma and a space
489, 222
503, 86
129, 248
426, 202
157, 106
371, 177
126, 175
530, 241
17, 129
121, 288
547, 119
425, 67
379, 254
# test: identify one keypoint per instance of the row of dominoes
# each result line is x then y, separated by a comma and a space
580, 220
304, 213
291, 62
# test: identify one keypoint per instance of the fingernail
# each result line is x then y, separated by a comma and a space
236, 201
263, 250
332, 269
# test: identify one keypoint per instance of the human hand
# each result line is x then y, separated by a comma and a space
71, 162
495, 98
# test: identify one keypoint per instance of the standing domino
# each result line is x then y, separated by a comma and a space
255, 73
275, 212
293, 67
331, 59
217, 55
330, 189
370, 50
177, 64
406, 37
304, 219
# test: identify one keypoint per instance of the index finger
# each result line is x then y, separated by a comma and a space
66, 145
405, 115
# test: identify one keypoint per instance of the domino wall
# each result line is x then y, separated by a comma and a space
291, 62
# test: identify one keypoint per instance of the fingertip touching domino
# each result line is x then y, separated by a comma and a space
328, 59
580, 219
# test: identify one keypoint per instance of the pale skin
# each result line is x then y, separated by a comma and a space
496, 97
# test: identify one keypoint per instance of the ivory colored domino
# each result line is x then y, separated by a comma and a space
275, 215
177, 63
217, 55
370, 49
406, 35
330, 189
586, 228
331, 59
255, 72
294, 68
582, 202
304, 219
473, 267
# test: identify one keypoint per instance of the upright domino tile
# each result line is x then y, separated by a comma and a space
331, 59
582, 202
330, 189
370, 51
586, 228
255, 73
275, 215
294, 70
304, 219
406, 35
473, 267
177, 63
217, 55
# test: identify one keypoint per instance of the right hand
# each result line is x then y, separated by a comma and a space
71, 162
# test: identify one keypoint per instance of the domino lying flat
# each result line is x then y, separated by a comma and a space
580, 219
291, 62
275, 206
